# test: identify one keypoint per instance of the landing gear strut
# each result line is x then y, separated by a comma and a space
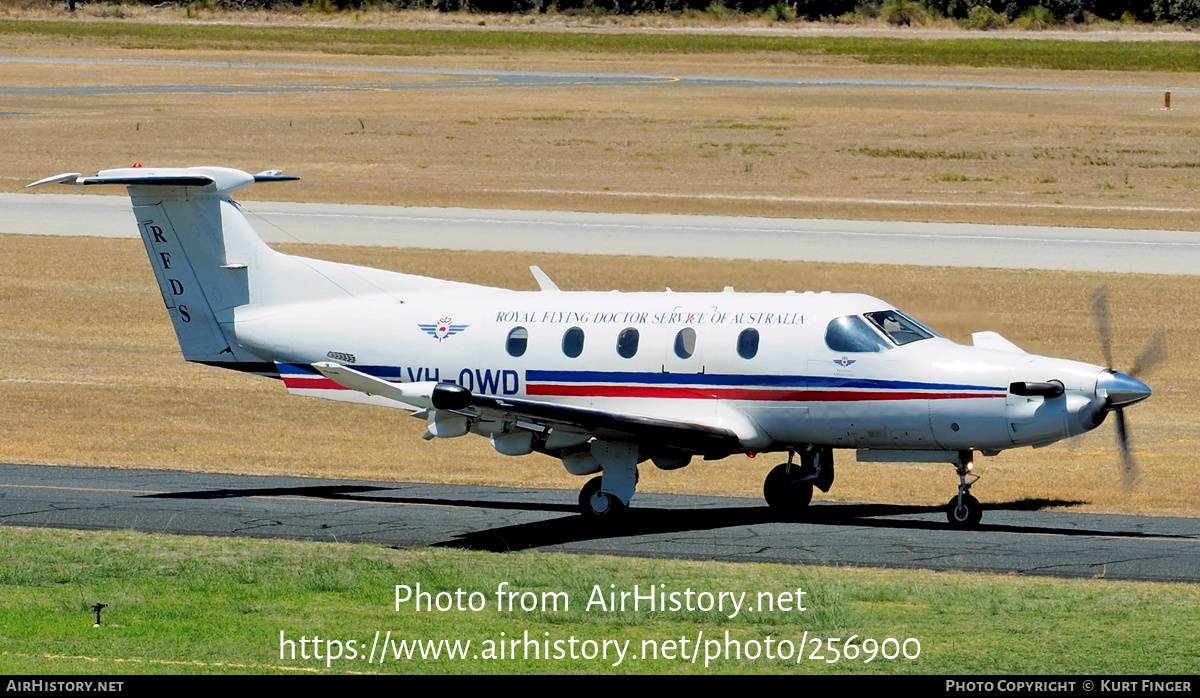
964, 511
607, 497
789, 486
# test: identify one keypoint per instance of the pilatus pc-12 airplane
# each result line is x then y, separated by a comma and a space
606, 381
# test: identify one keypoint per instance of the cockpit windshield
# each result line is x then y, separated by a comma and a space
851, 334
898, 327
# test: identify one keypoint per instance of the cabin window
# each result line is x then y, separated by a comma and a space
685, 343
518, 341
572, 344
627, 342
899, 327
851, 334
747, 344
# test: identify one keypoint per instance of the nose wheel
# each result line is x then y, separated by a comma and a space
964, 511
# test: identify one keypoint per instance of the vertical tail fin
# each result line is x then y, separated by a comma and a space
200, 246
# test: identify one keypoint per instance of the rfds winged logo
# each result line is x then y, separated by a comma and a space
844, 361
442, 329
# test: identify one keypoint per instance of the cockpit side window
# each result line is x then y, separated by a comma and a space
899, 328
851, 334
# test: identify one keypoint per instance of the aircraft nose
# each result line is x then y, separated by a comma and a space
1119, 390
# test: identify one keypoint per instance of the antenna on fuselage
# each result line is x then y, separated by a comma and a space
544, 281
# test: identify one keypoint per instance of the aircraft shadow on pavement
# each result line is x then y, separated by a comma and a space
640, 521
648, 521
353, 492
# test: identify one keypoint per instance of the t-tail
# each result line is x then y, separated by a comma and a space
209, 261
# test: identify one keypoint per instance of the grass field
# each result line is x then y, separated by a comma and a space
210, 605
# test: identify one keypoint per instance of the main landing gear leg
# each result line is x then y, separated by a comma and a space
607, 496
964, 511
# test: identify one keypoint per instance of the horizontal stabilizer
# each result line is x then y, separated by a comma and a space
64, 178
422, 394
274, 176
162, 181
214, 179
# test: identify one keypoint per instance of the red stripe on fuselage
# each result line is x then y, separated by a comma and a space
692, 393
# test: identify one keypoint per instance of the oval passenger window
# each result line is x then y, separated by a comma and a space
572, 344
685, 343
747, 344
627, 342
518, 341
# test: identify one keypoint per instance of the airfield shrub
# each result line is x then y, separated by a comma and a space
1037, 17
904, 13
983, 18
780, 12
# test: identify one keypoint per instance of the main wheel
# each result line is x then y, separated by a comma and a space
595, 504
783, 491
965, 515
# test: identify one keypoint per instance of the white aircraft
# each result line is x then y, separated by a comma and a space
605, 381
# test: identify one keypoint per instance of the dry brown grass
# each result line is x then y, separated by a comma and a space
1057, 158
94, 377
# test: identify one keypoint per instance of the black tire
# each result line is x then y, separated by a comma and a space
966, 516
783, 493
597, 505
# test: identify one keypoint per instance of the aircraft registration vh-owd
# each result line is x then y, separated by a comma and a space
606, 381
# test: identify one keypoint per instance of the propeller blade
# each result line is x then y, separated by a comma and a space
1130, 468
1154, 354
1100, 310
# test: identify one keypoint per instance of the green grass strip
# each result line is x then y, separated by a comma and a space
218, 605
1172, 56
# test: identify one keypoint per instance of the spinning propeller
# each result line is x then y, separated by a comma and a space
1119, 390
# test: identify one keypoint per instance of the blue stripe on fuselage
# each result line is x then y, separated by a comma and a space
711, 379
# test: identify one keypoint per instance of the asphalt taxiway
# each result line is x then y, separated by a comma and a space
1015, 537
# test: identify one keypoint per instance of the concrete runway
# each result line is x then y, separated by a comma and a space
660, 235
1014, 538
476, 78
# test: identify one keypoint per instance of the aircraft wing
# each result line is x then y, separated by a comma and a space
616, 426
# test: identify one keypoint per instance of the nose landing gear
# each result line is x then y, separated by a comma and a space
964, 511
